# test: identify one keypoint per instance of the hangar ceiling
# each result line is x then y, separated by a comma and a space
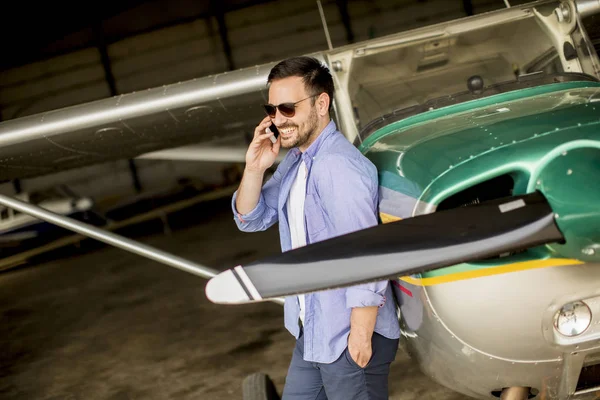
32, 33
47, 29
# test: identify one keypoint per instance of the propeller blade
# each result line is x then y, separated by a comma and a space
388, 251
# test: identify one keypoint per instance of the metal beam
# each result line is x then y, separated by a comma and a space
218, 11
16, 182
103, 50
135, 176
17, 186
468, 6
345, 15
112, 85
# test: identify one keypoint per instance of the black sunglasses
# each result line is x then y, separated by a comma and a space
288, 110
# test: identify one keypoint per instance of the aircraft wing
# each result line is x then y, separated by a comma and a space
221, 108
216, 113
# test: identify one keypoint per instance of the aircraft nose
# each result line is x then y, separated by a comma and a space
569, 180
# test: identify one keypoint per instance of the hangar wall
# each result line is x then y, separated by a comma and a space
194, 48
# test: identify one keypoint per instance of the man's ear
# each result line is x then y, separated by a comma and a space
323, 102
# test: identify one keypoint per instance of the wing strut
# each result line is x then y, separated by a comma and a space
111, 239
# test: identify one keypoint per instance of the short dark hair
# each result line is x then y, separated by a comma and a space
314, 74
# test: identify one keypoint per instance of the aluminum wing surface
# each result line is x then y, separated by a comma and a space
216, 107
388, 251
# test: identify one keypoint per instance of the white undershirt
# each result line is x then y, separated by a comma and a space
295, 210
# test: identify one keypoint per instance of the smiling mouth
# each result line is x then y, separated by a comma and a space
287, 132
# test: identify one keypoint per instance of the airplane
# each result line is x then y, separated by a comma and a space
486, 135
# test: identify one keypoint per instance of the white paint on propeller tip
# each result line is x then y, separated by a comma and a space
226, 288
249, 285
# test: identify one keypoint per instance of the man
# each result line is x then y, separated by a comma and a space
324, 187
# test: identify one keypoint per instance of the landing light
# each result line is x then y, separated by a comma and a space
573, 319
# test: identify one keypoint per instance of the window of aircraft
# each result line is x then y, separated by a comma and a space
482, 118
388, 77
520, 83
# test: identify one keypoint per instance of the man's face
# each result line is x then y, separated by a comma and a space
296, 131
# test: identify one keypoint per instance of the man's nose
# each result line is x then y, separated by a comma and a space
279, 119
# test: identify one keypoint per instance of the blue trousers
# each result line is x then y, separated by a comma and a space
343, 379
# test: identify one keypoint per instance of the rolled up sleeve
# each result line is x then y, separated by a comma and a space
349, 190
251, 221
264, 214
366, 295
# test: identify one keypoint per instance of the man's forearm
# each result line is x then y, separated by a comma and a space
362, 325
249, 191
362, 322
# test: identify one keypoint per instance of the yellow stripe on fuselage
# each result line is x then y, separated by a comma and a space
386, 218
481, 272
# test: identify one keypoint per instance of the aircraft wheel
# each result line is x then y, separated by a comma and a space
259, 386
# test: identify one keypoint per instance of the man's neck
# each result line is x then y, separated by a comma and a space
322, 125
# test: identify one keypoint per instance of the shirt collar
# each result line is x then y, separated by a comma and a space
313, 149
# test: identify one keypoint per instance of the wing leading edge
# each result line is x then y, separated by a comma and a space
217, 107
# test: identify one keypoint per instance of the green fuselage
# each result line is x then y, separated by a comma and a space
545, 138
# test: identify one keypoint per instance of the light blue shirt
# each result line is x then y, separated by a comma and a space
341, 197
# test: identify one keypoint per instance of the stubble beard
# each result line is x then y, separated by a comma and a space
306, 131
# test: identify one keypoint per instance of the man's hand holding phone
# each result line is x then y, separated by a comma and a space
260, 156
262, 152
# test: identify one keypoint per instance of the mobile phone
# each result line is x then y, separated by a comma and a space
273, 129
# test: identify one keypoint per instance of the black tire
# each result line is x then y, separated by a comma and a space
259, 386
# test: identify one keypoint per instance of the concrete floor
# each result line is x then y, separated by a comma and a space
107, 324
